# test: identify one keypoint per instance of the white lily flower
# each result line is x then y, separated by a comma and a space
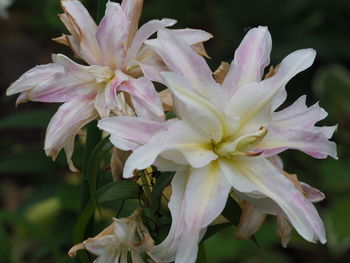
222, 138
113, 244
115, 53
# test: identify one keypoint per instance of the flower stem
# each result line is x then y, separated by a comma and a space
146, 187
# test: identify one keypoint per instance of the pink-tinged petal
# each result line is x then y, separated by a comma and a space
181, 58
33, 77
69, 150
118, 160
144, 91
179, 143
199, 196
112, 35
258, 179
101, 105
102, 245
132, 9
65, 124
145, 31
278, 139
255, 102
250, 221
110, 92
311, 193
193, 36
137, 131
298, 116
83, 29
193, 108
251, 57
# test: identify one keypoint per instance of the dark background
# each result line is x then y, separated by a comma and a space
38, 197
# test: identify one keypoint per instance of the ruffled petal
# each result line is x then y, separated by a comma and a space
255, 102
65, 124
251, 57
112, 35
257, 178
278, 139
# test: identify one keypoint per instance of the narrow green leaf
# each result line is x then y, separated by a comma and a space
5, 248
103, 147
162, 182
212, 230
232, 211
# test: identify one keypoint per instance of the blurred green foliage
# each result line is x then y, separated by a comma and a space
40, 198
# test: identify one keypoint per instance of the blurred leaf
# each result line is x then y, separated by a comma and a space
27, 120
162, 182
27, 162
335, 176
118, 190
232, 211
201, 258
5, 247
97, 155
212, 230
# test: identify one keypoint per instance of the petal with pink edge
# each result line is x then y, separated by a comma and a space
257, 177
198, 198
137, 131
278, 139
33, 77
112, 35
65, 124
251, 57
179, 143
83, 29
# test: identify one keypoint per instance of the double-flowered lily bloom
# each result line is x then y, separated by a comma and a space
224, 138
115, 53
113, 244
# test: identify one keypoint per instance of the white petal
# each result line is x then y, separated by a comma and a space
251, 57
193, 36
197, 110
199, 196
179, 143
315, 144
256, 101
181, 58
257, 177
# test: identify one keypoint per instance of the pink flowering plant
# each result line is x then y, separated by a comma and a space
196, 154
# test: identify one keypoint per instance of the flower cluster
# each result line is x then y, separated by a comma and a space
224, 141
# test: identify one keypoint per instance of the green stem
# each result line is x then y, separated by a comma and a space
93, 136
146, 188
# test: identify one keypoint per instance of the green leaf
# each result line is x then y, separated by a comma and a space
212, 230
119, 190
101, 6
232, 211
5, 248
162, 182
201, 258
27, 120
97, 155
